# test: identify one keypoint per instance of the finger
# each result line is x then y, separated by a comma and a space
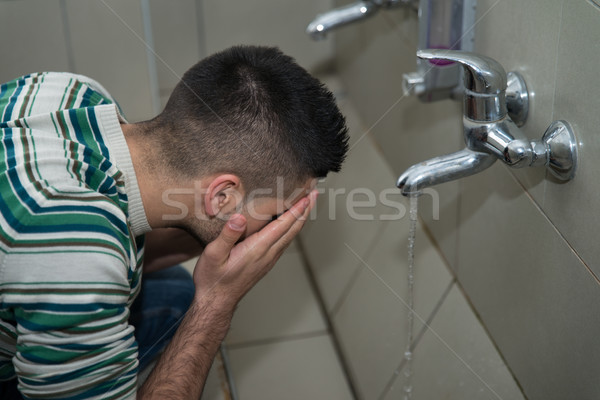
218, 250
279, 226
261, 242
286, 239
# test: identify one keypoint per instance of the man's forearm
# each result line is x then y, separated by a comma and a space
183, 367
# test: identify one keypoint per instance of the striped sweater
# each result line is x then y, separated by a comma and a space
71, 240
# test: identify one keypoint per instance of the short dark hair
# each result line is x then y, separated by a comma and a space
254, 112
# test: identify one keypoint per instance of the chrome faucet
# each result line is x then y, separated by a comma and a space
495, 106
341, 16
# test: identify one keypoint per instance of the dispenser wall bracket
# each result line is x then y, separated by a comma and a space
443, 24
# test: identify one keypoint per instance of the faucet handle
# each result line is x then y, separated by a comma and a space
485, 83
482, 74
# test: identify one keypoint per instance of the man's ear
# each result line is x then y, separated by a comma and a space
224, 194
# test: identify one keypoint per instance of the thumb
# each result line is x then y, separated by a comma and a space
220, 248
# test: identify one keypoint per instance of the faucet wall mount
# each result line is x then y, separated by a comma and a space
496, 104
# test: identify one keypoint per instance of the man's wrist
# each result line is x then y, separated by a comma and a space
213, 311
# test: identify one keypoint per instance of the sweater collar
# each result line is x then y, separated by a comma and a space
111, 123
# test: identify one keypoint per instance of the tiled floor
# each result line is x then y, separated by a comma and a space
278, 346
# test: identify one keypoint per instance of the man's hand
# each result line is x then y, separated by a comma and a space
227, 270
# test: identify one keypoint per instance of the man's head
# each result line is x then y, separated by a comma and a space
243, 120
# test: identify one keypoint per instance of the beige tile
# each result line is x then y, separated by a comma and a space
176, 38
455, 359
534, 296
523, 37
372, 54
324, 239
372, 322
108, 47
268, 22
424, 131
332, 82
164, 99
32, 38
571, 206
295, 369
293, 248
280, 305
190, 264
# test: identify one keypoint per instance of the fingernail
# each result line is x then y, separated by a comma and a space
237, 222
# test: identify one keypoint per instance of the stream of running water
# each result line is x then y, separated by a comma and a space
408, 355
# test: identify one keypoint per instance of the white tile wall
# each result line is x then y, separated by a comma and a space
176, 39
268, 22
293, 370
32, 38
372, 322
455, 359
535, 296
107, 41
573, 206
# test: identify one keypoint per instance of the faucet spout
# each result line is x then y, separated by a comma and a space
324, 23
442, 169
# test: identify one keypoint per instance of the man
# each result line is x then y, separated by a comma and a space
84, 194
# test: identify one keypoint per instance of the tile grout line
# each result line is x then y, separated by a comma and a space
67, 33
356, 273
332, 332
473, 310
435, 244
423, 321
150, 55
560, 234
275, 340
388, 387
552, 118
228, 372
556, 60
200, 28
